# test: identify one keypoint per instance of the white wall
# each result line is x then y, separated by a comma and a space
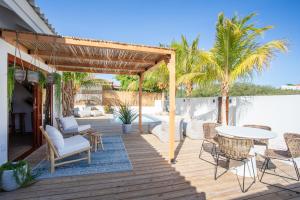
3, 105
281, 113
205, 108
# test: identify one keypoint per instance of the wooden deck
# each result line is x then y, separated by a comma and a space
153, 178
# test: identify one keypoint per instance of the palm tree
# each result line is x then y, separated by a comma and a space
72, 82
187, 59
237, 53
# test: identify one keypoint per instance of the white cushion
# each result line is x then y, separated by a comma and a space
197, 124
73, 144
84, 127
69, 123
194, 129
56, 137
162, 131
164, 126
96, 113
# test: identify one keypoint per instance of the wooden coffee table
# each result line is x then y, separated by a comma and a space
95, 139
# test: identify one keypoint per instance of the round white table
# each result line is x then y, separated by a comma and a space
249, 133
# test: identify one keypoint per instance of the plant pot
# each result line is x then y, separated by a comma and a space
32, 77
50, 78
8, 180
127, 128
20, 75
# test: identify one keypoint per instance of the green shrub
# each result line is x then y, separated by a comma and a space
108, 109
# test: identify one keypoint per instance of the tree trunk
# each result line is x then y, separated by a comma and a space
189, 89
68, 98
163, 100
224, 93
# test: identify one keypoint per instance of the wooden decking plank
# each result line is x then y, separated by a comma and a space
153, 177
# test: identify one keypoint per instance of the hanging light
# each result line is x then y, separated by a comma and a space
33, 76
20, 73
51, 76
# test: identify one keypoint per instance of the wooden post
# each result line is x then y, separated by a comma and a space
141, 77
172, 90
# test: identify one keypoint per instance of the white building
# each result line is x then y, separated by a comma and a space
290, 87
20, 15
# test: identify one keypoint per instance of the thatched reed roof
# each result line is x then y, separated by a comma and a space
87, 55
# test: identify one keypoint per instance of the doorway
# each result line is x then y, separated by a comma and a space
21, 121
25, 117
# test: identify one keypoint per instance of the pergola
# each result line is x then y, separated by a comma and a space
98, 56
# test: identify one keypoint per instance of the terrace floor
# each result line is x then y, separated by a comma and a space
153, 178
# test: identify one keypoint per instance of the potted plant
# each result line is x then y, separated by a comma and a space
32, 76
20, 75
14, 175
127, 116
51, 78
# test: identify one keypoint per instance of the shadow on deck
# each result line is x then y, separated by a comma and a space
153, 177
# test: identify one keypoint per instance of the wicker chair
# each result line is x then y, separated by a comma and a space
237, 149
262, 142
210, 136
292, 141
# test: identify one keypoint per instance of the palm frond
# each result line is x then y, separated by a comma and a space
258, 59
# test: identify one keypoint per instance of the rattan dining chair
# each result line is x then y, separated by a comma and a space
210, 136
237, 149
263, 142
292, 141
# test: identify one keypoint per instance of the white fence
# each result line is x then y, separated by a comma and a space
279, 112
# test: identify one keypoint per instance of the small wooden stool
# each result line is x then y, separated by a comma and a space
95, 139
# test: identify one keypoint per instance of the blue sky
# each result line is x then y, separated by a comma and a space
160, 21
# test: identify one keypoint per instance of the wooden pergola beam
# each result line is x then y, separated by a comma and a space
89, 65
62, 55
100, 71
60, 40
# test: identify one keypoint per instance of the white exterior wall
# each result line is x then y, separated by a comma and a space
281, 113
3, 105
205, 108
6, 48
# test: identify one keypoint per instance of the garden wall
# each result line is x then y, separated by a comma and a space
279, 112
112, 97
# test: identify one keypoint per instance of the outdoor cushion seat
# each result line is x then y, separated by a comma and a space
194, 129
56, 137
68, 122
73, 127
73, 144
84, 127
82, 112
162, 131
80, 128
